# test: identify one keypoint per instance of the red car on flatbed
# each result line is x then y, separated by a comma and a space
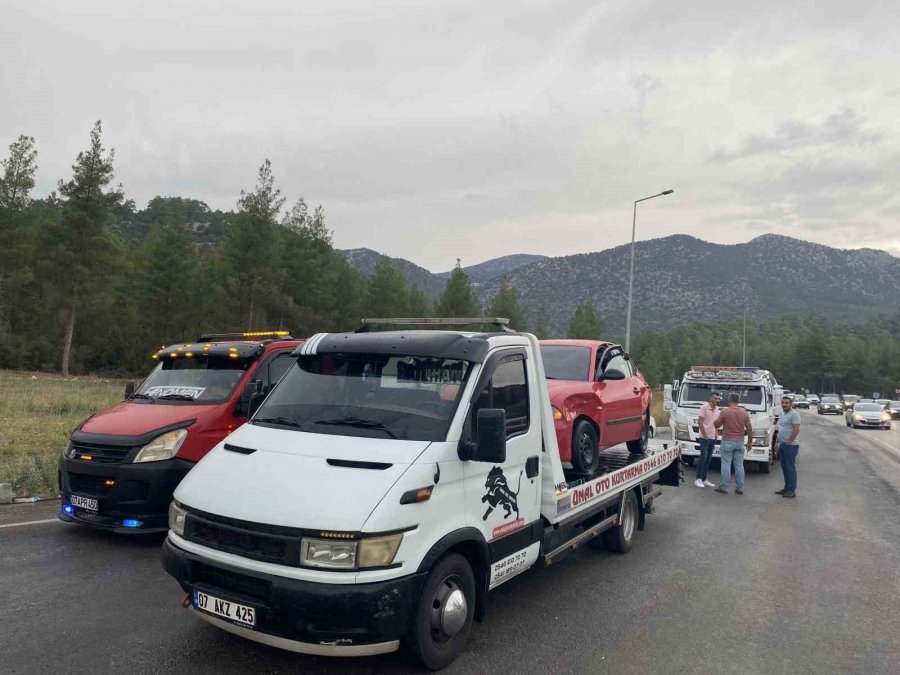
599, 398
123, 463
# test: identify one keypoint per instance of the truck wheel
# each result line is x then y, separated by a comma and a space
620, 537
639, 445
443, 616
585, 448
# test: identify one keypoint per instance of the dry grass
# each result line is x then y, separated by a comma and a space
37, 414
656, 409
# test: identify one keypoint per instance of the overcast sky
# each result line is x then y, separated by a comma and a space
435, 130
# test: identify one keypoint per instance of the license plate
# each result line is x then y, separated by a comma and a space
225, 608
85, 503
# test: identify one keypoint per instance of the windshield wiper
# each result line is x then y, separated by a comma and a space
146, 396
359, 423
176, 397
281, 421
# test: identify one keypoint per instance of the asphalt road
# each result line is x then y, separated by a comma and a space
716, 584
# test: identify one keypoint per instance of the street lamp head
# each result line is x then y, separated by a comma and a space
668, 192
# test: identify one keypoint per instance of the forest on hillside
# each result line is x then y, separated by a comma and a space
91, 283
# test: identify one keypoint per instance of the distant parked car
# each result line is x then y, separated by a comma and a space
893, 407
830, 404
800, 401
868, 415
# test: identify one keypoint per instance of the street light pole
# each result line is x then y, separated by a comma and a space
631, 269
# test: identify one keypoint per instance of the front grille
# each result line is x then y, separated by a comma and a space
95, 518
82, 482
103, 454
243, 540
203, 574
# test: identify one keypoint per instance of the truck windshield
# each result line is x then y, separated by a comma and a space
368, 395
566, 363
697, 393
203, 379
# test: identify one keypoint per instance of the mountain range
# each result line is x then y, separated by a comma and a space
681, 279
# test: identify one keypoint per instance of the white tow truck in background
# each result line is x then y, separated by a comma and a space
385, 485
760, 396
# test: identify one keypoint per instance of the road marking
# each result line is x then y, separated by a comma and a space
31, 522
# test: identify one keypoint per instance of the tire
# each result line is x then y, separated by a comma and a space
620, 538
585, 448
428, 641
639, 445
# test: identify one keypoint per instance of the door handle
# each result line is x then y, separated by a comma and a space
531, 466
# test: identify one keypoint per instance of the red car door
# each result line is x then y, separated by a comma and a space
616, 398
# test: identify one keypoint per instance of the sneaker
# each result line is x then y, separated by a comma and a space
698, 483
738, 492
780, 492
708, 484
789, 494
721, 491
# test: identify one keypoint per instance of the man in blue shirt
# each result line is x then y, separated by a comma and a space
789, 448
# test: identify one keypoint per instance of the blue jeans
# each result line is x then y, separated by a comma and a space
706, 450
732, 452
788, 455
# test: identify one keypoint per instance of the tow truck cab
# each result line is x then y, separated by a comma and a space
123, 463
389, 482
760, 397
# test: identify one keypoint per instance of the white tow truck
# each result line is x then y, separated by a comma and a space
385, 485
760, 396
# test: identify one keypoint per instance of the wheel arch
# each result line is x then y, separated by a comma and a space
470, 544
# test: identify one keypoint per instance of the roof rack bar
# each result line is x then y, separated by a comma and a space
246, 335
501, 322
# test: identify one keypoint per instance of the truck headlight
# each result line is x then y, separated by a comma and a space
761, 439
328, 553
164, 446
356, 554
177, 516
681, 432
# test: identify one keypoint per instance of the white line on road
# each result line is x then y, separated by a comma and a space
31, 522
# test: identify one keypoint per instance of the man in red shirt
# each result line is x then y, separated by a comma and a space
735, 423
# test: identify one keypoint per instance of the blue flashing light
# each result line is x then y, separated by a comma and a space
130, 522
68, 509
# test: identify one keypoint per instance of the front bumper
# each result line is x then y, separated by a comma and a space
140, 492
871, 424
303, 616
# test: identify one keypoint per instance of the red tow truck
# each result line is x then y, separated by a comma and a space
123, 463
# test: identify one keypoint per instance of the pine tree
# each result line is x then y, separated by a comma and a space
82, 254
541, 327
16, 221
506, 304
419, 304
585, 325
250, 242
387, 294
457, 299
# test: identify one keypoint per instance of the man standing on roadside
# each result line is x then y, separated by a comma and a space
788, 447
706, 420
735, 423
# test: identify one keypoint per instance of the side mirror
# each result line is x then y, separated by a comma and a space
256, 400
612, 374
490, 444
242, 409
129, 388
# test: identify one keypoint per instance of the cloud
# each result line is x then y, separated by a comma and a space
839, 128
